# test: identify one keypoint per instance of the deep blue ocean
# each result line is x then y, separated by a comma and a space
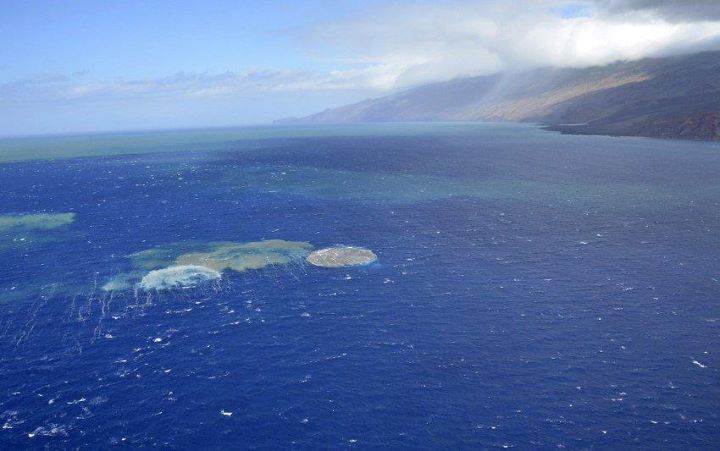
532, 290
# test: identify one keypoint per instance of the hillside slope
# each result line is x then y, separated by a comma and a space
673, 97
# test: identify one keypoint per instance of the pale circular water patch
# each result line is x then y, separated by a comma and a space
337, 257
182, 276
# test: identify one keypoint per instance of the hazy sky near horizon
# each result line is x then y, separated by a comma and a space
93, 65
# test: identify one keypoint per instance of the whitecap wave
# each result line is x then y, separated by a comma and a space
182, 276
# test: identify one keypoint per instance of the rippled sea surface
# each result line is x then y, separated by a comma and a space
532, 290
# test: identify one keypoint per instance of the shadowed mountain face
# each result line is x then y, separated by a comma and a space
673, 97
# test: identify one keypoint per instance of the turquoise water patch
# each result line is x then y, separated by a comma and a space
40, 221
21, 230
394, 188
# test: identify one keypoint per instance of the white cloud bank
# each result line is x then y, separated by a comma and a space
405, 45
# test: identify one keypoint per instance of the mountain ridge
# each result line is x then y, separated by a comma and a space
669, 97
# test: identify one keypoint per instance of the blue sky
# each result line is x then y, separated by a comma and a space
155, 38
108, 65
90, 41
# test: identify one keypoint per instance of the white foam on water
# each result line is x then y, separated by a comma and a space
123, 281
696, 363
51, 430
182, 276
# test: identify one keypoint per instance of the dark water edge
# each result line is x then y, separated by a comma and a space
532, 290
